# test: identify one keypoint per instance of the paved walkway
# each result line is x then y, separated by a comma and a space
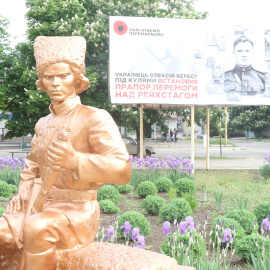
214, 163
200, 163
235, 163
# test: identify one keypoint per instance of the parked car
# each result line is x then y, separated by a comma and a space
213, 134
133, 149
199, 135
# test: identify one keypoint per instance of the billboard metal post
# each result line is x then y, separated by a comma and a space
192, 135
207, 136
141, 131
226, 127
186, 127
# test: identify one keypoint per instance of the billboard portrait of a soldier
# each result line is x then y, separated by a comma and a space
243, 79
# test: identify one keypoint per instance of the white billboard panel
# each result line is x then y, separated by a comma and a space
173, 61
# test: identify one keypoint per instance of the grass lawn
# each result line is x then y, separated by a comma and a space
235, 184
215, 141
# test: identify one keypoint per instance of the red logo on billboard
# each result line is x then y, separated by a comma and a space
120, 27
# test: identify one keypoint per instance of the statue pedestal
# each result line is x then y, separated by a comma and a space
108, 256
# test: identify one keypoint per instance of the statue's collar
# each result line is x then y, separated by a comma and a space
65, 107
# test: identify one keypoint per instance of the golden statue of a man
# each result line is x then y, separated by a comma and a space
70, 169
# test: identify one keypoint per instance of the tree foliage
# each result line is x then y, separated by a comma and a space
4, 49
4, 45
19, 92
216, 118
252, 118
90, 19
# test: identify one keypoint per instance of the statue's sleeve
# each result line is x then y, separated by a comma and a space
31, 168
108, 161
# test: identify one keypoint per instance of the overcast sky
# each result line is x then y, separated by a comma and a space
14, 11
224, 11
254, 11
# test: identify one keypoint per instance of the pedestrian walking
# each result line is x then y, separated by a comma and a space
171, 135
175, 135
165, 134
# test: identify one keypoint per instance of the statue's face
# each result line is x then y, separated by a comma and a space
59, 82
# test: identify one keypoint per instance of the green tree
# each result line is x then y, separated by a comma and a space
216, 120
90, 19
19, 92
252, 118
4, 51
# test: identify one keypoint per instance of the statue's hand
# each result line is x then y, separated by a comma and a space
61, 154
17, 203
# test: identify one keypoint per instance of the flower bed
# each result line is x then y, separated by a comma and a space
181, 236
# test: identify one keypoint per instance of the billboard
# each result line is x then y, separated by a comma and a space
189, 62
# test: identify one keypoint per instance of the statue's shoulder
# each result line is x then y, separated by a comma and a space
93, 111
43, 119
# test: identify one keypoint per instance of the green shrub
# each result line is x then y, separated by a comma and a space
163, 184
2, 210
108, 192
107, 206
261, 211
14, 189
265, 171
172, 193
244, 218
191, 200
197, 246
184, 185
135, 219
137, 177
152, 204
177, 208
220, 223
146, 188
125, 188
5, 189
3, 199
252, 244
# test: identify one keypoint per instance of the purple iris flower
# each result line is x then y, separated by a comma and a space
163, 164
166, 227
227, 236
135, 233
127, 227
265, 224
110, 231
140, 242
182, 227
11, 163
267, 158
190, 223
153, 166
